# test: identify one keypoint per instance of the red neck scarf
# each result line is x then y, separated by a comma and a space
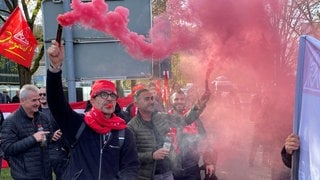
191, 129
188, 129
102, 125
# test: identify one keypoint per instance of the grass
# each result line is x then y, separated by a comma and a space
5, 174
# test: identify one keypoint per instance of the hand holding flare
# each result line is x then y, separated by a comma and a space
201, 103
59, 34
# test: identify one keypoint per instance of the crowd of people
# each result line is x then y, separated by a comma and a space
39, 141
5, 98
45, 136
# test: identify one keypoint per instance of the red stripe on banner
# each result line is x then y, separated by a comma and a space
9, 108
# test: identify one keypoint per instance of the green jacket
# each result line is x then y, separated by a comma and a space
146, 136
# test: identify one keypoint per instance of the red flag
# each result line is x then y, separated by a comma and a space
17, 41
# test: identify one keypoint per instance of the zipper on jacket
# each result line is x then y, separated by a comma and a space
103, 142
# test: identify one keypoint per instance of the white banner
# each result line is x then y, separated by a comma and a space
307, 120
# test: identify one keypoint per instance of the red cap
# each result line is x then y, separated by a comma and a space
137, 87
101, 86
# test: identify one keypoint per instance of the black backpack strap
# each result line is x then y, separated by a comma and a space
79, 132
121, 137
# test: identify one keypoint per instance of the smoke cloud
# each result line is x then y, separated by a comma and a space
237, 40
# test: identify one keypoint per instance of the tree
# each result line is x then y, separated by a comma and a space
31, 10
158, 7
295, 19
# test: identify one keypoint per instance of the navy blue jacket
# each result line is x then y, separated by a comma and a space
90, 159
27, 159
286, 158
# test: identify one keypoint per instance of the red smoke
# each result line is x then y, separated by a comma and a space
233, 38
96, 15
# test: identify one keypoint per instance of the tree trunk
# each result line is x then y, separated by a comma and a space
24, 75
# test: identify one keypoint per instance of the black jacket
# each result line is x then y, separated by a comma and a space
1, 122
116, 163
286, 158
27, 159
57, 149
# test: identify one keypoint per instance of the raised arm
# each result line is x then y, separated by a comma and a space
68, 120
197, 108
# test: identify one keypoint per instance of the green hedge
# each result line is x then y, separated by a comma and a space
5, 174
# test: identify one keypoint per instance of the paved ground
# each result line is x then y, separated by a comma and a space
233, 157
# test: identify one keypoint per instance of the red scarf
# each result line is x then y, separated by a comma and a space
173, 134
102, 125
188, 129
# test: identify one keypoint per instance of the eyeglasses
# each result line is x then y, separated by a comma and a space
105, 95
42, 94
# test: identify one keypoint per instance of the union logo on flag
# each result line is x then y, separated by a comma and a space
20, 37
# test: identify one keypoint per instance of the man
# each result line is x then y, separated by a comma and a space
186, 147
150, 129
132, 109
158, 101
57, 151
1, 152
1, 98
15, 98
5, 97
292, 143
97, 153
24, 135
